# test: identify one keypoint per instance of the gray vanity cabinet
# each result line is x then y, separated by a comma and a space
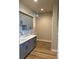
27, 47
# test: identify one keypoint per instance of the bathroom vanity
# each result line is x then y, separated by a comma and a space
27, 44
27, 39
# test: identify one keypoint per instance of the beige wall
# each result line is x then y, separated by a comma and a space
43, 26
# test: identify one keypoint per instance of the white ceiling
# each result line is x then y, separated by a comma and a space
47, 5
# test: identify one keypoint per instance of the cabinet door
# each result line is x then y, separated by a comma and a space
23, 50
27, 47
32, 43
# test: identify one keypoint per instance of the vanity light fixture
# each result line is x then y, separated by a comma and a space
35, 0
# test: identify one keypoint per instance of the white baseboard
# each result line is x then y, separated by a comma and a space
53, 50
47, 41
43, 40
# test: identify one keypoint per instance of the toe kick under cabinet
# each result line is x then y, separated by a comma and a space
27, 47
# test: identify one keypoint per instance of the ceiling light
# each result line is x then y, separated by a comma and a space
42, 9
35, 0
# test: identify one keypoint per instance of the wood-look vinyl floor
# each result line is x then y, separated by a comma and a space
42, 51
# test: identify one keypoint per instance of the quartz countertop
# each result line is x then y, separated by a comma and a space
26, 38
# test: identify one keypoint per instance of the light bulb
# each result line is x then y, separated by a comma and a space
35, 0
42, 9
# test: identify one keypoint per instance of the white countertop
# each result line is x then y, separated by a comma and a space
26, 38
